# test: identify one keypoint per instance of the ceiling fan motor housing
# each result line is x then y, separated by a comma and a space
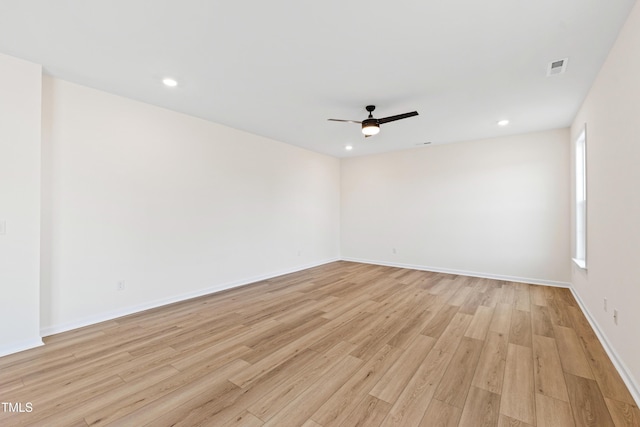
370, 122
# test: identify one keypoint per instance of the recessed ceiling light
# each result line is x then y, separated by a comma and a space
503, 122
348, 147
169, 82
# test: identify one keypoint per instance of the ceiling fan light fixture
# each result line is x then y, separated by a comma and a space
370, 127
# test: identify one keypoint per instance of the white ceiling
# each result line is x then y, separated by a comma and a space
281, 68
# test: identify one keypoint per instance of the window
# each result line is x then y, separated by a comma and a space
580, 220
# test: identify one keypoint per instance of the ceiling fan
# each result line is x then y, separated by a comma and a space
371, 125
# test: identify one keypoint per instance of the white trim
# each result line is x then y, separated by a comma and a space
56, 329
21, 346
465, 273
580, 263
620, 366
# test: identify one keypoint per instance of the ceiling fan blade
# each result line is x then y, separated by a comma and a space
397, 117
345, 121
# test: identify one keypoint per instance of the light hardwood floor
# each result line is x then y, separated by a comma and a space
343, 344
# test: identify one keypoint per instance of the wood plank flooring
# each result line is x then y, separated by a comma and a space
343, 344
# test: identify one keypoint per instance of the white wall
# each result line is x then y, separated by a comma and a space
612, 114
493, 208
172, 205
19, 203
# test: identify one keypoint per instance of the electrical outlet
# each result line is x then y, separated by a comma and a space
615, 316
3, 227
299, 252
121, 285
395, 251
605, 304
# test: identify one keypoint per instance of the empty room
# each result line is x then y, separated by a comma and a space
320, 214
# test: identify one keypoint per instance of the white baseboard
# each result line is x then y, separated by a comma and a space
21, 346
528, 280
114, 314
105, 316
620, 366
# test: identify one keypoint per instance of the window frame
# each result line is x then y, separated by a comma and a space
580, 200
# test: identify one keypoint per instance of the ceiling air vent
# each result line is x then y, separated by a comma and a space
558, 66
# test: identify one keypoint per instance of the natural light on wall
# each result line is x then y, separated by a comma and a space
580, 220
